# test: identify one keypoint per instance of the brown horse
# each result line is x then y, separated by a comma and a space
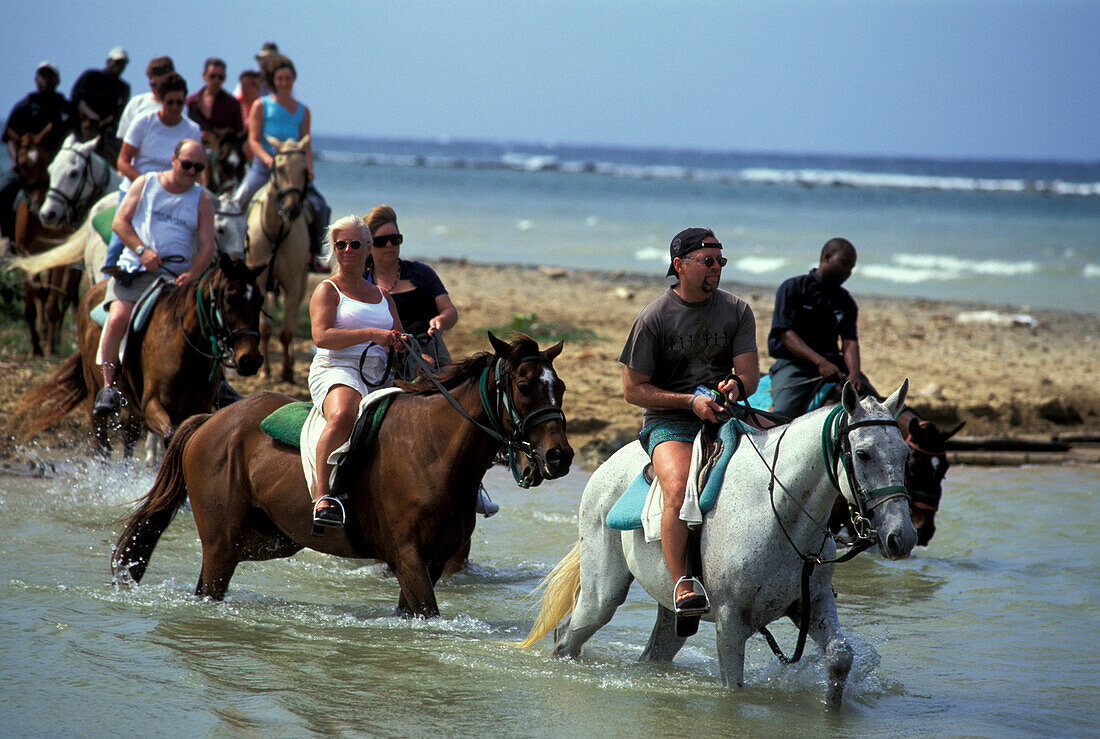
47, 295
225, 148
174, 373
278, 235
413, 492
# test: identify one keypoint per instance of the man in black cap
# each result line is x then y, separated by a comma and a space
98, 99
692, 336
42, 108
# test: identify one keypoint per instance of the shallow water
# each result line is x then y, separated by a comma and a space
990, 631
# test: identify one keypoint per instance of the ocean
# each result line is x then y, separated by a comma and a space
1009, 235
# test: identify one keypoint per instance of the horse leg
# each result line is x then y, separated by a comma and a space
265, 339
824, 629
664, 643
605, 582
158, 421
733, 632
417, 592
218, 565
30, 315
293, 303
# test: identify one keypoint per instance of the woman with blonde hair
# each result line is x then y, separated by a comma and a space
422, 302
353, 324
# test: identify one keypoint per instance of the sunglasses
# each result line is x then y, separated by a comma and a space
709, 262
188, 166
341, 245
216, 76
389, 240
174, 103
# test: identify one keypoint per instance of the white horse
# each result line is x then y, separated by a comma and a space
78, 178
769, 519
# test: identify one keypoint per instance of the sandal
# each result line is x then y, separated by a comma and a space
329, 516
691, 604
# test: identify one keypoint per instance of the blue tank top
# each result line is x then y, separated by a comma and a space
279, 123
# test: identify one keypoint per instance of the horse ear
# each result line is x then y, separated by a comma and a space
274, 142
849, 398
895, 402
954, 431
915, 428
502, 348
12, 135
225, 263
552, 352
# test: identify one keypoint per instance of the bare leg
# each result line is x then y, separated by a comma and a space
340, 408
671, 462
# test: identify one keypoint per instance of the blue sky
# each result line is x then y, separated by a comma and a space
930, 78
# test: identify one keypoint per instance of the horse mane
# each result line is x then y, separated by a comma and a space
455, 374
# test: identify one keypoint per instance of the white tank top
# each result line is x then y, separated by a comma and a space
352, 314
167, 223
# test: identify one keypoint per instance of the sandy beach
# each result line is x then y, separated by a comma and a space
998, 371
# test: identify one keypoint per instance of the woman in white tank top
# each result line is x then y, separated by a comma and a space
349, 316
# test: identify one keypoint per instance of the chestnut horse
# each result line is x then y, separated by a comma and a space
174, 373
413, 491
48, 295
278, 235
225, 150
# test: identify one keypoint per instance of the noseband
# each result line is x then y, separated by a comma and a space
214, 328
281, 192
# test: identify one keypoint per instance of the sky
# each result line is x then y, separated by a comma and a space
983, 79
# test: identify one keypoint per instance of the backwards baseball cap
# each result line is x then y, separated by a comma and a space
118, 53
687, 241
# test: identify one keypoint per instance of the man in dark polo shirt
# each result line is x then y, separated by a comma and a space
214, 109
812, 313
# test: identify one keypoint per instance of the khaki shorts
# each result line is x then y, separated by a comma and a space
139, 283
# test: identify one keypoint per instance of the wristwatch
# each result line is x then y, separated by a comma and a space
140, 250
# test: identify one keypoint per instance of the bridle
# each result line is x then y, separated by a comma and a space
924, 499
72, 212
213, 326
281, 192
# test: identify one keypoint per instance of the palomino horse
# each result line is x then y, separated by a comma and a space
226, 161
174, 373
413, 491
758, 544
78, 178
46, 297
278, 235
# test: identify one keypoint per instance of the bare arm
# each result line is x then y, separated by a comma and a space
639, 390
322, 320
801, 349
122, 224
256, 134
850, 349
747, 367
447, 316
126, 162
205, 255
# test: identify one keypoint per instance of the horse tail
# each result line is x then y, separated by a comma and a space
65, 390
156, 509
560, 590
69, 251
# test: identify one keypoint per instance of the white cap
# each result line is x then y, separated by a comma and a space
118, 53
50, 66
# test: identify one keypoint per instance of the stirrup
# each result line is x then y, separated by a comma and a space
696, 604
327, 517
485, 505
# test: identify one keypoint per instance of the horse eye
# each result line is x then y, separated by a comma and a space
523, 387
863, 455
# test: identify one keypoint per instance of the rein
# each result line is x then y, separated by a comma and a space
213, 327
75, 213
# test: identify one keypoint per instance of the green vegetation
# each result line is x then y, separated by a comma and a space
543, 331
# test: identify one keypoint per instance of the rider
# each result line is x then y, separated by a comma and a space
158, 68
150, 145
214, 109
693, 335
158, 221
98, 99
44, 107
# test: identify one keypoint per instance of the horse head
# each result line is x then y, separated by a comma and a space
73, 182
227, 154
230, 226
32, 161
289, 176
874, 455
532, 399
242, 303
925, 469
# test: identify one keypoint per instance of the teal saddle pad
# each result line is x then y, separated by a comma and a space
626, 514
762, 398
285, 423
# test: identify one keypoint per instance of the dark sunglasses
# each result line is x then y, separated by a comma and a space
216, 76
174, 103
188, 166
341, 245
709, 262
389, 240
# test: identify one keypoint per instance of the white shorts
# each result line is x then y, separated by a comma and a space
326, 371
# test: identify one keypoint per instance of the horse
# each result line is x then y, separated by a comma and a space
765, 550
193, 332
277, 234
78, 178
413, 491
47, 297
225, 150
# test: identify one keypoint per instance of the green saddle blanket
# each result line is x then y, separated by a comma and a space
285, 423
102, 223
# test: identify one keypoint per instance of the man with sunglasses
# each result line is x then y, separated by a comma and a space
812, 314
158, 221
215, 110
694, 335
150, 144
157, 69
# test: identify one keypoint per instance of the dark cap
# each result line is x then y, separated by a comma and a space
687, 241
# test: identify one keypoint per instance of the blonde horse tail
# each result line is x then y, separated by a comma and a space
64, 391
560, 590
156, 509
67, 252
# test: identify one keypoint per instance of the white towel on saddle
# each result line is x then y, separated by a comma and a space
311, 432
689, 511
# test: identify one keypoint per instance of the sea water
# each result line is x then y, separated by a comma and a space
1015, 234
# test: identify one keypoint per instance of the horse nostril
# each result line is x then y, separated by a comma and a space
553, 456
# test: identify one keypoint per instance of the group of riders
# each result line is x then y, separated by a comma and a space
691, 352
